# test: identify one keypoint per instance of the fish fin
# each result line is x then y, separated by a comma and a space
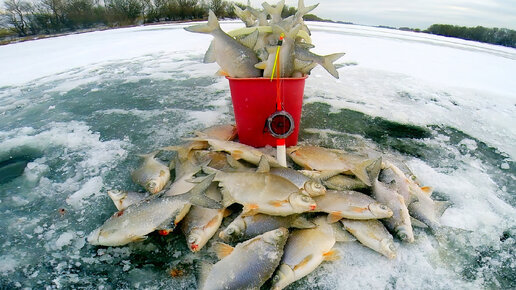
263, 165
302, 222
227, 212
328, 65
210, 170
303, 262
360, 171
277, 203
182, 151
261, 65
373, 170
249, 209
149, 155
417, 223
138, 238
340, 234
304, 45
237, 154
250, 39
441, 207
195, 179
427, 190
222, 250
197, 197
212, 222
274, 11
222, 73
302, 10
334, 217
331, 255
212, 25
227, 199
233, 162
209, 56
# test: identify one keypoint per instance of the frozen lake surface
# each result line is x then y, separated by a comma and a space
76, 110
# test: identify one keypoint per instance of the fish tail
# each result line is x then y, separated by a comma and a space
328, 65
197, 197
302, 10
149, 155
274, 11
374, 170
212, 25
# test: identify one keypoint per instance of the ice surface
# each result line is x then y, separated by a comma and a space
81, 108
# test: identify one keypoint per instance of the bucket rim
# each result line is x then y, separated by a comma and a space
264, 78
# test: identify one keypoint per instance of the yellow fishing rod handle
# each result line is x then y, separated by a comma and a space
248, 30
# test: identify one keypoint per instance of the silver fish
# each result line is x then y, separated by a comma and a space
274, 11
344, 182
152, 174
306, 250
320, 158
200, 224
245, 15
123, 199
248, 265
246, 227
302, 53
234, 58
400, 222
311, 186
138, 220
372, 234
350, 204
263, 193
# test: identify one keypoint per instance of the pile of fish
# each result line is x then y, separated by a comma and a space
288, 220
251, 52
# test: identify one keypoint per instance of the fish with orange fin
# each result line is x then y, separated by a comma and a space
418, 199
400, 222
350, 204
233, 57
238, 150
372, 234
248, 265
152, 173
246, 227
306, 249
200, 224
156, 213
262, 192
325, 159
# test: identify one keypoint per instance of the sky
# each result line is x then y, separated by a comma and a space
414, 13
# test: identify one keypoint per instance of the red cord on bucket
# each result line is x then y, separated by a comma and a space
280, 142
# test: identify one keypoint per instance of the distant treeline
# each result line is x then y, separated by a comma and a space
35, 17
26, 17
500, 36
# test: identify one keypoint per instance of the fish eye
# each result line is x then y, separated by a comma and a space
383, 207
230, 230
305, 198
279, 233
276, 278
403, 236
392, 248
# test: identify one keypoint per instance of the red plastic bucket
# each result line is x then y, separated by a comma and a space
254, 100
